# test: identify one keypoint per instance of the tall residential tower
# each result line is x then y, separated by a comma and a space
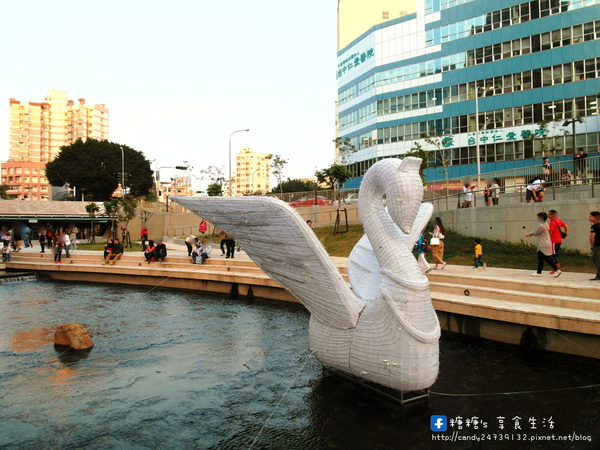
252, 172
38, 130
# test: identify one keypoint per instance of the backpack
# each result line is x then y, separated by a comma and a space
425, 247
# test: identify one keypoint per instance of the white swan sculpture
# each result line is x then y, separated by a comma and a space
384, 329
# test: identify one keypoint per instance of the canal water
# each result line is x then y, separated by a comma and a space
179, 369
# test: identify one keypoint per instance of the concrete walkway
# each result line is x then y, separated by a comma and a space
174, 249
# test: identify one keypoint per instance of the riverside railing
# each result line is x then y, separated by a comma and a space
560, 174
561, 190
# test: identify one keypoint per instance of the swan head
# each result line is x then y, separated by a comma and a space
404, 193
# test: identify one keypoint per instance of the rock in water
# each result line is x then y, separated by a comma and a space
73, 335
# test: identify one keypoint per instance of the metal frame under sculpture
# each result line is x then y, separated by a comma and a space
384, 329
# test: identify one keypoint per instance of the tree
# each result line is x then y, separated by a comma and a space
215, 190
294, 185
344, 149
333, 176
95, 166
277, 165
145, 216
418, 151
215, 175
212, 173
111, 209
3, 189
127, 209
92, 210
440, 155
442, 143
546, 134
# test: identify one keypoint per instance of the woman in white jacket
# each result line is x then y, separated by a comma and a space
544, 246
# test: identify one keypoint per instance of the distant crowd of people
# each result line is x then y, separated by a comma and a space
55, 240
199, 251
550, 232
535, 187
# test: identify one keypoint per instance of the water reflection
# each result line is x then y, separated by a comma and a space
176, 369
32, 339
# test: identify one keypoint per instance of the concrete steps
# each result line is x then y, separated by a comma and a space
138, 260
514, 295
553, 317
577, 285
559, 314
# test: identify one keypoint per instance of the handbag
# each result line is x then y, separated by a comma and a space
434, 241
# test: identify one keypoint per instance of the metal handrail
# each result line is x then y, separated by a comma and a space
593, 165
551, 186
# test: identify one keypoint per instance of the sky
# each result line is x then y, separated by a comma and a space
179, 76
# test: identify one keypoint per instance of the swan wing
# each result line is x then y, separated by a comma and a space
278, 240
364, 271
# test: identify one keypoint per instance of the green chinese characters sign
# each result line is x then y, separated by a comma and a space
505, 135
354, 60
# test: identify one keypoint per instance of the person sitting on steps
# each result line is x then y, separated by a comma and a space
161, 251
150, 252
115, 254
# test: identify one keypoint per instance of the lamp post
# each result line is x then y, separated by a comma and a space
230, 136
477, 145
123, 170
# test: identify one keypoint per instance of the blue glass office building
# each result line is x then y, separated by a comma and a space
521, 64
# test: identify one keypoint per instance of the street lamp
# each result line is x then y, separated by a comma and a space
123, 170
230, 136
477, 146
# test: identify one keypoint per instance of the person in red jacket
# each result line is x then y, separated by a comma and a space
558, 231
144, 237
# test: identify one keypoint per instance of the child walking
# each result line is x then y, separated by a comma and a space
6, 251
478, 254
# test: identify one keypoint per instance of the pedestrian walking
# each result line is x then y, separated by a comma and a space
66, 244
42, 239
223, 242
144, 237
421, 249
580, 164
26, 236
544, 246
547, 168
230, 244
203, 227
495, 191
594, 218
6, 251
437, 243
487, 195
558, 231
57, 248
467, 196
